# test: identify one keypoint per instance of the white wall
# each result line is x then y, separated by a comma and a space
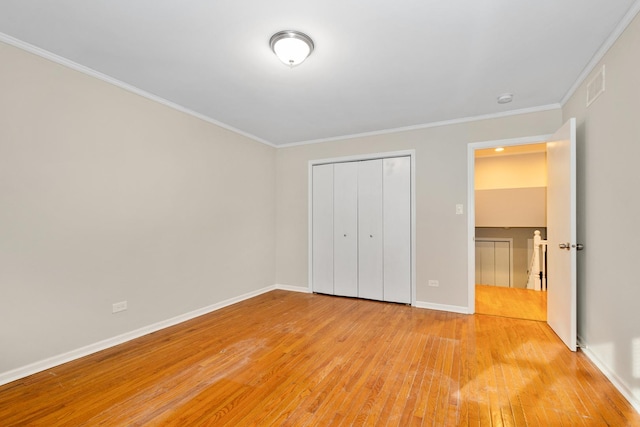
441, 183
608, 153
107, 196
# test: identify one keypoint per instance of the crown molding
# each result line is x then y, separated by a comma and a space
600, 53
428, 125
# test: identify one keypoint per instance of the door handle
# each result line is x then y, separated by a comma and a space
568, 246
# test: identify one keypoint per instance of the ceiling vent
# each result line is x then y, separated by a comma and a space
595, 86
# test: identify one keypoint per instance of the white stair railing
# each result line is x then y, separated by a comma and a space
537, 265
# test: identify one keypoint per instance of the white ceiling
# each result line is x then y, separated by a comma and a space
378, 64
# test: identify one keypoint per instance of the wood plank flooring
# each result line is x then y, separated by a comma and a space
290, 359
511, 302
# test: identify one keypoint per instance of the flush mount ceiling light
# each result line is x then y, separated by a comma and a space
505, 98
291, 47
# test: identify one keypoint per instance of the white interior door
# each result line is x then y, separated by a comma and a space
370, 250
561, 234
322, 231
345, 253
397, 229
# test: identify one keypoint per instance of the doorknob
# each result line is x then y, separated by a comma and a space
566, 246
578, 246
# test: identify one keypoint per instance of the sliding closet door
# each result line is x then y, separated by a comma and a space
345, 240
370, 238
502, 264
397, 229
484, 263
322, 219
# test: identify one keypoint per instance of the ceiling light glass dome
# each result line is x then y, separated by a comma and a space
291, 47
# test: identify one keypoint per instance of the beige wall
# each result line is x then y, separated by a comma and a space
608, 212
516, 171
107, 196
441, 183
511, 207
511, 190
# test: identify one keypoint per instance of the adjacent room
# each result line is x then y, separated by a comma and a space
287, 213
510, 231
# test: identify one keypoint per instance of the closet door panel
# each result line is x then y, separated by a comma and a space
485, 257
502, 264
370, 238
345, 240
322, 220
478, 264
397, 229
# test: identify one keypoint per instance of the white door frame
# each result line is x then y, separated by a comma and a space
471, 203
356, 158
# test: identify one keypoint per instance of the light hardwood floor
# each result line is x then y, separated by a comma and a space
295, 359
511, 302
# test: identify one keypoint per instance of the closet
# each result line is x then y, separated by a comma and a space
361, 229
494, 262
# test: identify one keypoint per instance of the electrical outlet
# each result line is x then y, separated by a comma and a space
459, 209
119, 306
434, 283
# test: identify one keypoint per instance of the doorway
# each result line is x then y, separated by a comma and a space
508, 206
562, 242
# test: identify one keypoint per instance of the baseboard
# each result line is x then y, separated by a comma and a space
302, 289
442, 307
611, 376
33, 368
